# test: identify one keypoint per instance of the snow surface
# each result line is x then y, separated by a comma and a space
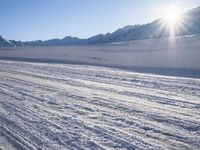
60, 106
177, 56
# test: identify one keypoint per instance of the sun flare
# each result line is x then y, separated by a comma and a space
172, 18
172, 15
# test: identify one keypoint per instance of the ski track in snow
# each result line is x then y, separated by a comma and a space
55, 106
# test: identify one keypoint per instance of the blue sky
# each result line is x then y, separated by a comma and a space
45, 19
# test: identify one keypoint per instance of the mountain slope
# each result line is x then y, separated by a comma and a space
8, 43
55, 42
193, 21
4, 42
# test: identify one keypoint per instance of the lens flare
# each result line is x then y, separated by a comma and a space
172, 19
172, 15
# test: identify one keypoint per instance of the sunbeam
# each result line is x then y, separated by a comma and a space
172, 19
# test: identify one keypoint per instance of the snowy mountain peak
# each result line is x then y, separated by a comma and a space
1, 38
70, 38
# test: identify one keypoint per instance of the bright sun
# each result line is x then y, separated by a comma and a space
172, 18
172, 15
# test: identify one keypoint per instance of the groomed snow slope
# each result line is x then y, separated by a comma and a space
55, 106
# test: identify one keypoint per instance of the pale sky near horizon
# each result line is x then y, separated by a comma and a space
45, 19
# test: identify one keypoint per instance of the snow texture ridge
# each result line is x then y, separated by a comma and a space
56, 106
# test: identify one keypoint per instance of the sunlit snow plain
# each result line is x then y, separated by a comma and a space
61, 106
177, 56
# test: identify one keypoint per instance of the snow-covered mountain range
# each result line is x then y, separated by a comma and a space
137, 32
6, 43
